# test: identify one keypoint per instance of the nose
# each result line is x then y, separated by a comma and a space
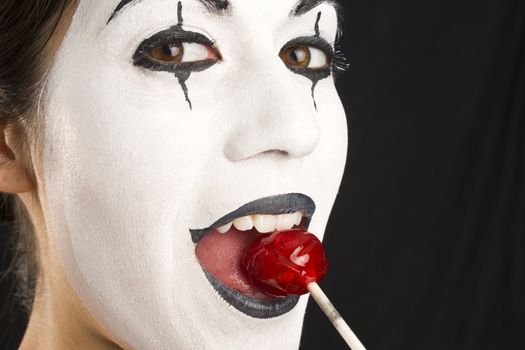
280, 117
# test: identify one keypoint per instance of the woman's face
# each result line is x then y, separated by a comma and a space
162, 118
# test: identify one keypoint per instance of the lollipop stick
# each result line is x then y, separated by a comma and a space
334, 317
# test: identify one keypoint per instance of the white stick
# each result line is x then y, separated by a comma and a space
334, 317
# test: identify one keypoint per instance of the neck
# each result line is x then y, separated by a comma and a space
58, 319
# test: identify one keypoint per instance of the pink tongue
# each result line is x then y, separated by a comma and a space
220, 254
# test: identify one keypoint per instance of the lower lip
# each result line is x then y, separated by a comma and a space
220, 256
252, 306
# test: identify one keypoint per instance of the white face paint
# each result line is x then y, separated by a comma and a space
129, 168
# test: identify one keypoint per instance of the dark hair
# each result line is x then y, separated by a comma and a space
26, 27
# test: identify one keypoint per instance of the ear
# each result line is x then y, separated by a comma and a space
13, 176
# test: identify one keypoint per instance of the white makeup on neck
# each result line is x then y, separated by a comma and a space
141, 152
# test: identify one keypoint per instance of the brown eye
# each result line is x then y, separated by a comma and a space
167, 53
182, 52
305, 57
296, 56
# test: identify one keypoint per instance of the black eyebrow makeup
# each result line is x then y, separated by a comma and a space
217, 7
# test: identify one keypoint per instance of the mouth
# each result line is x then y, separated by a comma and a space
220, 247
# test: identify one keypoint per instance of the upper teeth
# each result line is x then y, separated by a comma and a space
264, 223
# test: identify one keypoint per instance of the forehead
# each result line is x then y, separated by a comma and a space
228, 7
225, 6
126, 22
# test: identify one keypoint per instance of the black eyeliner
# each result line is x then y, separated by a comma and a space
336, 59
172, 35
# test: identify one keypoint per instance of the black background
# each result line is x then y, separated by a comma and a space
427, 238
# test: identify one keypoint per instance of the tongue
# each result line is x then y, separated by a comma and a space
221, 254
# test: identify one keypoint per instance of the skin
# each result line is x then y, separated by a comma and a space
59, 319
101, 227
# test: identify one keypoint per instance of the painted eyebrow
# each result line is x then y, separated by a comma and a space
303, 6
217, 7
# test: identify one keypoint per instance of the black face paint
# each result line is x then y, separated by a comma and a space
315, 79
182, 76
317, 74
306, 5
316, 27
179, 14
217, 7
173, 35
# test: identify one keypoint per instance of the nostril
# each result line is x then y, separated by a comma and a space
276, 152
270, 154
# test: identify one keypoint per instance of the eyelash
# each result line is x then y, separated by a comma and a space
317, 43
339, 61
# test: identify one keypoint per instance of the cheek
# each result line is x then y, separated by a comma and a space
117, 175
119, 154
333, 120
329, 158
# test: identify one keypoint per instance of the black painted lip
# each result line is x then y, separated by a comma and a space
274, 205
251, 306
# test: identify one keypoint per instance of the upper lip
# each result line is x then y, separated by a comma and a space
272, 205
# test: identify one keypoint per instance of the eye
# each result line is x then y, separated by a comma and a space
176, 49
180, 52
303, 56
308, 55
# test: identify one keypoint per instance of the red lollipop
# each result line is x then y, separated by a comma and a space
291, 263
284, 263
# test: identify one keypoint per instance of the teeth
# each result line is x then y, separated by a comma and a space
243, 224
298, 218
224, 228
285, 221
264, 223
